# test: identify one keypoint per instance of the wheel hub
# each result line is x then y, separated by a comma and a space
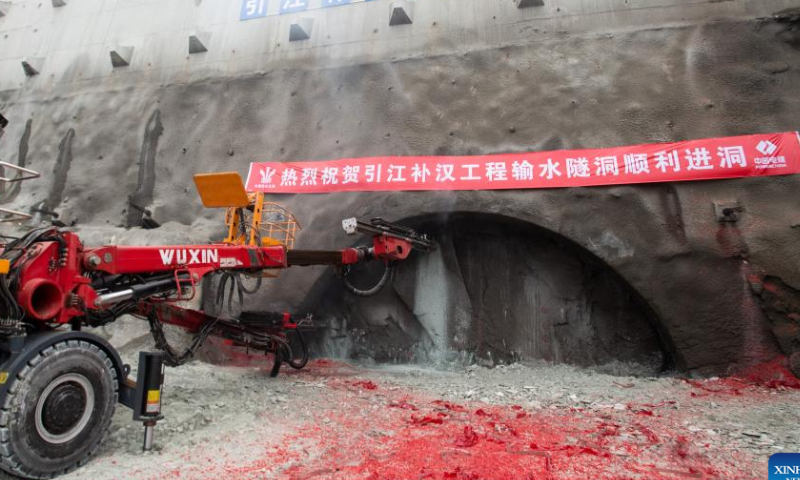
64, 408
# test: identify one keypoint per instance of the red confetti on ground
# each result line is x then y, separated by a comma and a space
391, 433
427, 420
468, 439
445, 440
774, 375
366, 385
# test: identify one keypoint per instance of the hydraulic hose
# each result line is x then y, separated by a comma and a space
387, 273
303, 358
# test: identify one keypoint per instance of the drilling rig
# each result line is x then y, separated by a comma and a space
60, 383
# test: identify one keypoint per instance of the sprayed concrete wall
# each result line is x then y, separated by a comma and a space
467, 77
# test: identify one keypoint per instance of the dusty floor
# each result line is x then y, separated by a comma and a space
336, 420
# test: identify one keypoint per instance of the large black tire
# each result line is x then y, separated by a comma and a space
57, 410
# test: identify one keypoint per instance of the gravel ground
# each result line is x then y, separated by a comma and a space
338, 420
346, 421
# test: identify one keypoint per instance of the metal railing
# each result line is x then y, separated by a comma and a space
22, 173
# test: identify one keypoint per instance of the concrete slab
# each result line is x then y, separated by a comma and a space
198, 42
402, 13
301, 29
32, 65
121, 56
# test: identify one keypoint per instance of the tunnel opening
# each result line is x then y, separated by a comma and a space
496, 291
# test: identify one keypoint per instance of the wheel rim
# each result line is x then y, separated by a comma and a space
64, 408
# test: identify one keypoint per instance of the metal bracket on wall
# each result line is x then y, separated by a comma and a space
13, 216
23, 174
728, 212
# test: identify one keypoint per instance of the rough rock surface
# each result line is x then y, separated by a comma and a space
112, 155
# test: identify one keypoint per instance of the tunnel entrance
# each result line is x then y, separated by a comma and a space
497, 290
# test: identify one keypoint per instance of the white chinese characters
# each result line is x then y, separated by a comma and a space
698, 159
636, 163
578, 168
550, 169
329, 176
496, 172
731, 156
444, 172
522, 170
606, 166
668, 160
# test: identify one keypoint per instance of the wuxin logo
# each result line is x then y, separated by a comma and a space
766, 147
186, 256
784, 466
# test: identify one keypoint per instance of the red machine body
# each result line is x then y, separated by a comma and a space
59, 279
54, 287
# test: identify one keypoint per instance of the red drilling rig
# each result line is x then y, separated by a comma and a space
59, 383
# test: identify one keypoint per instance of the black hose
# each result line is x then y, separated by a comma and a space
255, 288
289, 357
387, 273
236, 287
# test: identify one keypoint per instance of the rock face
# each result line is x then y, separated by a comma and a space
576, 275
499, 291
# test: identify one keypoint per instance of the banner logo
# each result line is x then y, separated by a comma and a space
766, 147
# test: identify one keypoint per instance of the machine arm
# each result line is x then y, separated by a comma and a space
56, 279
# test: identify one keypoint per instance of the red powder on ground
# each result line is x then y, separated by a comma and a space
394, 434
403, 405
498, 443
366, 385
774, 374
449, 406
427, 419
468, 438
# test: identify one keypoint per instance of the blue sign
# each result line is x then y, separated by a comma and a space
784, 466
290, 6
253, 9
334, 3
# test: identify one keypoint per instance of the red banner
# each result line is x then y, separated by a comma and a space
731, 157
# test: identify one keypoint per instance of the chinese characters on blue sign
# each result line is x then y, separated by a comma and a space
253, 9
291, 6
258, 8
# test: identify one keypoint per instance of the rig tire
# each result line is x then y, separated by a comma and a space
57, 410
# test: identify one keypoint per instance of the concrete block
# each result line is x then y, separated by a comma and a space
199, 41
59, 3
32, 65
530, 3
402, 13
121, 56
4, 6
301, 29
